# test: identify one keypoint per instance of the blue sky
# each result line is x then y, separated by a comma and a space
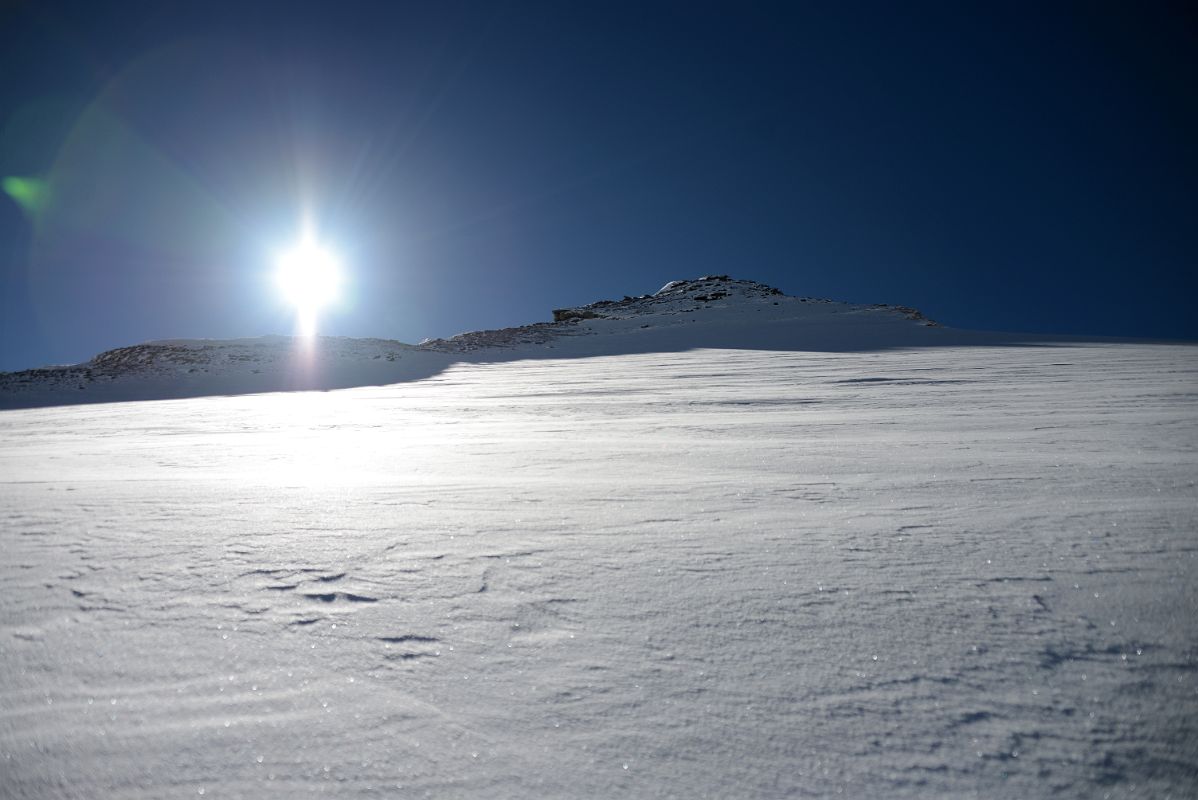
1005, 166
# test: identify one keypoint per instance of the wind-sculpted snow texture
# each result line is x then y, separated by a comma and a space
741, 572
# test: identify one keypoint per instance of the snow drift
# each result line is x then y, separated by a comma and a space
762, 569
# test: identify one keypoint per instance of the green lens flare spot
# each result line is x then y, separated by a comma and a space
31, 194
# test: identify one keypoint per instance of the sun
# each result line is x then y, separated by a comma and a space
309, 276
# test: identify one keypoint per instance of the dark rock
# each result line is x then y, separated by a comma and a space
568, 314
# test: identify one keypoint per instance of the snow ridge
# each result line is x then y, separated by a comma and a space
713, 310
663, 307
191, 360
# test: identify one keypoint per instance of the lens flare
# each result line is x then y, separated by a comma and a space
31, 194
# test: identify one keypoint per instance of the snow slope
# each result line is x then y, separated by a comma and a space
715, 311
747, 571
198, 368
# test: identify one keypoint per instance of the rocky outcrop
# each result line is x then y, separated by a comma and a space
567, 314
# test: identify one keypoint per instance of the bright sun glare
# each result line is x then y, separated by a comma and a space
309, 277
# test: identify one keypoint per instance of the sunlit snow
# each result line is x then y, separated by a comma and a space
811, 567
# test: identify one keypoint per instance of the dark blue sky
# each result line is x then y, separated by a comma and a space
1006, 166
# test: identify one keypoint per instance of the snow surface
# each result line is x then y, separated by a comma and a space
842, 554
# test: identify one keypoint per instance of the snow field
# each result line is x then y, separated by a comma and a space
930, 572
